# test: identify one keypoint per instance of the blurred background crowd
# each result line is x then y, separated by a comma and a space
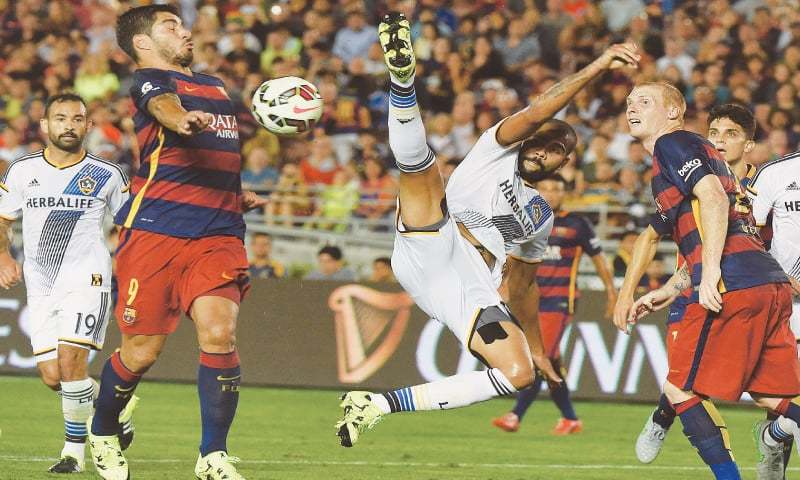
478, 61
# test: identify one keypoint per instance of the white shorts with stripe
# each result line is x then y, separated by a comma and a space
445, 275
77, 318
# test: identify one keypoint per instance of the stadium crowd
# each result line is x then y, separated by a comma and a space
479, 60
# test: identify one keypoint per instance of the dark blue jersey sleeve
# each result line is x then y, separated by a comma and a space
684, 160
149, 83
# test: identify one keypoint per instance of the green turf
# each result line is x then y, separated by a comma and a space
288, 434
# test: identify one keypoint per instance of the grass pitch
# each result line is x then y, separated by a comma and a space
288, 434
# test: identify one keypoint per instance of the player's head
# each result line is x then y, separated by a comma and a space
546, 151
260, 245
553, 188
731, 128
65, 121
155, 33
654, 108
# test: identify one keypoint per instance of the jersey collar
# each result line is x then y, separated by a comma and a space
64, 167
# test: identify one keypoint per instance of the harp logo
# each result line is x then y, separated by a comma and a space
369, 326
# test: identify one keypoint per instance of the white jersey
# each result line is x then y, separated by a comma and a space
776, 189
487, 195
62, 219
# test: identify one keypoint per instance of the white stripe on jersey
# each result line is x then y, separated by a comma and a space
63, 211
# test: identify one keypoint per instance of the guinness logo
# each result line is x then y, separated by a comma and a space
369, 326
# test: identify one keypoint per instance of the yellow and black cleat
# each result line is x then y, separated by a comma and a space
394, 34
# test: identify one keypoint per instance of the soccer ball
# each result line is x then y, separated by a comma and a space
287, 105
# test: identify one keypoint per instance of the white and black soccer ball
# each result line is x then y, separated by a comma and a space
287, 105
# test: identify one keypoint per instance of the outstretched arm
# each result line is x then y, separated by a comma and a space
524, 123
601, 266
169, 112
644, 250
523, 300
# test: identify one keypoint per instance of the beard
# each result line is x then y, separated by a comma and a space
67, 143
176, 57
529, 175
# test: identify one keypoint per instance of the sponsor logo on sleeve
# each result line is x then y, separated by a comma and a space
148, 87
686, 170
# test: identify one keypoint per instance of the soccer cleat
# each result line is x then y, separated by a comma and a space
107, 455
566, 426
650, 441
770, 459
126, 429
217, 466
508, 422
360, 415
394, 34
67, 464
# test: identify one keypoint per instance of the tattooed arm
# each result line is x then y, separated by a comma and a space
661, 297
524, 123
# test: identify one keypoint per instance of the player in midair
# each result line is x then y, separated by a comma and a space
734, 335
62, 194
181, 245
449, 253
571, 237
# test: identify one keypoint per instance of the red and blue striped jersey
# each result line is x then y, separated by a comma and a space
680, 160
572, 235
187, 186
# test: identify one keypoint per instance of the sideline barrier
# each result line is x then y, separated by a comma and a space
336, 335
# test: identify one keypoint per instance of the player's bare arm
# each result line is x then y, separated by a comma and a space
169, 112
601, 266
644, 251
524, 123
10, 271
662, 297
714, 225
523, 300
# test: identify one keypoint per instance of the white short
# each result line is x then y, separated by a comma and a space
73, 318
795, 318
445, 275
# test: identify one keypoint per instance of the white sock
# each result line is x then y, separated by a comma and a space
77, 399
780, 430
408, 141
451, 392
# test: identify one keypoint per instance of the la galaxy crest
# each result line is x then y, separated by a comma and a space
87, 184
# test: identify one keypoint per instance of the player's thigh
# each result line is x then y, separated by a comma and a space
777, 372
552, 325
145, 269
500, 343
421, 198
83, 318
43, 329
213, 267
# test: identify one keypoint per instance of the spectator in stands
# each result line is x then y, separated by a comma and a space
336, 202
321, 165
343, 117
330, 266
382, 271
280, 44
378, 191
289, 199
656, 274
259, 172
675, 55
520, 46
441, 138
356, 38
95, 80
262, 265
11, 146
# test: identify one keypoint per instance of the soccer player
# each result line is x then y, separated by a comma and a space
63, 193
181, 247
572, 235
451, 269
734, 335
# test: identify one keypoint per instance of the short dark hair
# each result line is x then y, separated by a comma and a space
60, 98
332, 250
738, 114
384, 260
137, 21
